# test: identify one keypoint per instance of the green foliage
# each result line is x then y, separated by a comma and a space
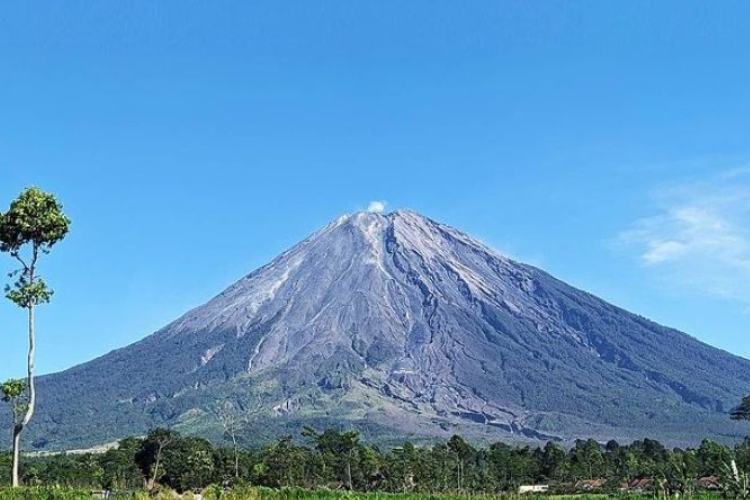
736, 482
338, 460
120, 470
36, 218
587, 460
12, 389
45, 493
26, 294
712, 457
247, 493
189, 464
164, 493
5, 465
35, 221
742, 454
14, 392
342, 453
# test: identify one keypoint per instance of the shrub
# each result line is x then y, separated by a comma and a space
44, 494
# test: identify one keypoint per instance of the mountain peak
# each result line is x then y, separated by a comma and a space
399, 225
370, 214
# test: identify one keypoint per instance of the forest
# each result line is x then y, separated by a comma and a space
339, 460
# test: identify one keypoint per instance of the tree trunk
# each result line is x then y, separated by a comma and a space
152, 482
236, 456
349, 472
735, 471
31, 381
18, 430
16, 455
236, 463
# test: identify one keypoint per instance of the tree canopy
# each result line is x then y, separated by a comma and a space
33, 224
341, 460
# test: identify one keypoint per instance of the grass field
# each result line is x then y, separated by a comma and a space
267, 494
247, 493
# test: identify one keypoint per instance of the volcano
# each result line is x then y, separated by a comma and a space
403, 328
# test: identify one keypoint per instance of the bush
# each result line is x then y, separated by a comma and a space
44, 494
164, 493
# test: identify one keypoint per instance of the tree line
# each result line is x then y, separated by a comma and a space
340, 460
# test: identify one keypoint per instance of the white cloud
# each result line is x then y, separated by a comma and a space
376, 207
663, 251
699, 238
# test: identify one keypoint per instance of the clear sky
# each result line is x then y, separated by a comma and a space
191, 142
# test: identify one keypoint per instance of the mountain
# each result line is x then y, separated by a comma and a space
404, 328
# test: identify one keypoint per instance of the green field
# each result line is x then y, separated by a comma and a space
250, 493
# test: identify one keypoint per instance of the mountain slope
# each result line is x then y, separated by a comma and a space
403, 327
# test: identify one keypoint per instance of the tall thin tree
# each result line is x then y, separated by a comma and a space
232, 419
33, 224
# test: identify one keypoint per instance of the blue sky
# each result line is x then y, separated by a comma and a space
191, 142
